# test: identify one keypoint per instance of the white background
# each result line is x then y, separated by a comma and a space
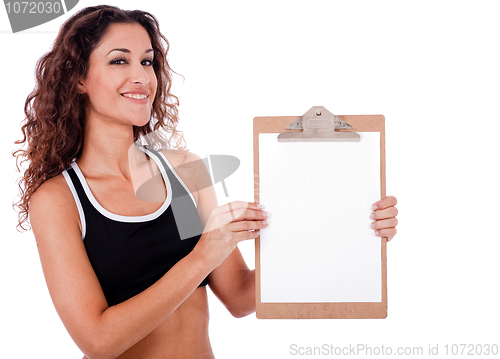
431, 67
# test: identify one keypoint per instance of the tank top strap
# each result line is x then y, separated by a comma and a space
183, 203
179, 188
79, 195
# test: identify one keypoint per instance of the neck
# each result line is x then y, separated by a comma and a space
106, 149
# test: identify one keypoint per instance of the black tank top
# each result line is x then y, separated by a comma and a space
130, 253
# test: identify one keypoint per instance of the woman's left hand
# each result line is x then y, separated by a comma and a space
384, 216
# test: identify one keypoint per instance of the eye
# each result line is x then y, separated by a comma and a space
118, 62
148, 62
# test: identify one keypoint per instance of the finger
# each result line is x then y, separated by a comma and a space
384, 224
390, 212
387, 202
246, 235
231, 211
250, 215
389, 233
224, 219
237, 209
247, 225
233, 206
239, 205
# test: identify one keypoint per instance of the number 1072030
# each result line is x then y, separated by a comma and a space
471, 349
31, 7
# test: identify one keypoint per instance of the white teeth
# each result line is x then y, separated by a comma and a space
137, 97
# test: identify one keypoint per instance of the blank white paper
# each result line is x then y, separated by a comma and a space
319, 246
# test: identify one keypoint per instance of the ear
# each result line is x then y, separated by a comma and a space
81, 87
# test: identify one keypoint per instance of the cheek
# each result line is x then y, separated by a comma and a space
150, 71
153, 86
153, 82
99, 99
96, 87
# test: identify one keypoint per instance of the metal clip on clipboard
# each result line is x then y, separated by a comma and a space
318, 125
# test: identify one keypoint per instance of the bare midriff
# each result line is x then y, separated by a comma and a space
184, 334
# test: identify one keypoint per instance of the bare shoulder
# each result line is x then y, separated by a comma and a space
178, 158
189, 166
192, 170
53, 203
52, 191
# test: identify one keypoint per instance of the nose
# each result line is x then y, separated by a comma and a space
139, 75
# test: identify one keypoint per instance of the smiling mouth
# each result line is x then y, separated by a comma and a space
135, 96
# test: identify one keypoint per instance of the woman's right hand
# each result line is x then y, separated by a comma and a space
226, 226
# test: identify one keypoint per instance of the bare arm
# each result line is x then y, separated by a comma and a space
101, 331
98, 330
232, 282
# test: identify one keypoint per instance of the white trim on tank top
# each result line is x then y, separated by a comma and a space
172, 170
121, 218
77, 200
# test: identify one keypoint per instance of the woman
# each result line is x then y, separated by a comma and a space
134, 287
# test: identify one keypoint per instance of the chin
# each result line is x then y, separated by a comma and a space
140, 124
140, 121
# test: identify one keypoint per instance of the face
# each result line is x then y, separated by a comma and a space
121, 82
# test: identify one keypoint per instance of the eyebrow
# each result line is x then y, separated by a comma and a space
128, 51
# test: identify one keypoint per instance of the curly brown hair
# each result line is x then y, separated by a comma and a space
55, 110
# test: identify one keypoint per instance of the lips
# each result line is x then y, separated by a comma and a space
140, 97
136, 96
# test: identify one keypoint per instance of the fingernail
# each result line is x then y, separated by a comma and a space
259, 205
372, 225
374, 207
375, 233
264, 222
265, 214
372, 216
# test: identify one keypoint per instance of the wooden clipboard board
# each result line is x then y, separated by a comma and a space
322, 310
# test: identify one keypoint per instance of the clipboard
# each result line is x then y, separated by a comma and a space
329, 129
